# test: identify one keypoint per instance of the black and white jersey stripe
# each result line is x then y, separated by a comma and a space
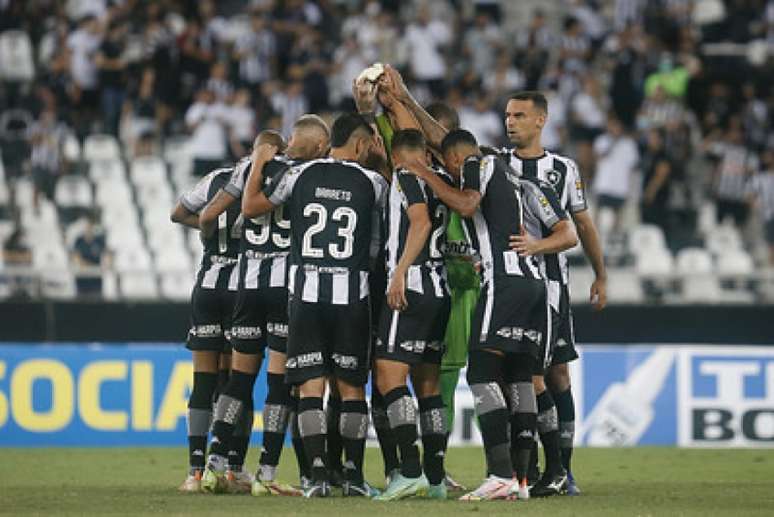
499, 215
334, 207
562, 174
218, 267
265, 244
428, 269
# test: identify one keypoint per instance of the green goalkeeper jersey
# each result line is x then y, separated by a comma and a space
464, 284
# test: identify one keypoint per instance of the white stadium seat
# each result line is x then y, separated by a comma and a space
149, 170
112, 192
580, 283
132, 260
71, 148
654, 263
138, 286
58, 284
694, 261
159, 194
645, 239
124, 237
107, 171
701, 289
723, 238
624, 286
735, 262
101, 147
173, 260
73, 192
16, 61
49, 256
165, 237
120, 215
177, 285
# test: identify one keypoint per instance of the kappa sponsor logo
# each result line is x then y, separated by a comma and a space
245, 332
305, 360
348, 362
417, 347
277, 329
518, 333
206, 331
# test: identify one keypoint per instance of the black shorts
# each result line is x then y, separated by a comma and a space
211, 313
564, 349
416, 334
327, 339
510, 316
548, 344
260, 320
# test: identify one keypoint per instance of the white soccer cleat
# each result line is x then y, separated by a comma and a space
492, 488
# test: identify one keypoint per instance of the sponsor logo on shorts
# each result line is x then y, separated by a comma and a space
304, 360
561, 342
518, 333
245, 332
417, 346
277, 329
379, 342
348, 362
206, 331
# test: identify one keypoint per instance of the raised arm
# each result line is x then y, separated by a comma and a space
181, 215
465, 201
254, 202
208, 218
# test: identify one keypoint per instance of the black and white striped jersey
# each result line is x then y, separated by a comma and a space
501, 213
265, 245
217, 270
428, 268
334, 209
562, 174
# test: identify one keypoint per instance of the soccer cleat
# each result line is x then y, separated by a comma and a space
452, 485
439, 491
238, 482
390, 476
493, 487
550, 484
402, 487
213, 482
306, 483
192, 483
572, 487
336, 477
350, 489
318, 489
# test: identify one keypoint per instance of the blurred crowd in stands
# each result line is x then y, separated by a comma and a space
667, 105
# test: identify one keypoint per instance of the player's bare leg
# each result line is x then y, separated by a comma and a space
278, 407
558, 381
205, 363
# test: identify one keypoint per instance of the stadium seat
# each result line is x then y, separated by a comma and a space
176, 150
112, 192
148, 171
109, 285
173, 260
624, 286
158, 194
107, 171
24, 192
120, 215
735, 262
16, 61
58, 285
654, 263
707, 218
580, 283
177, 285
124, 237
71, 148
49, 256
5, 194
73, 192
694, 261
723, 238
138, 286
163, 237
132, 259
646, 239
101, 147
701, 289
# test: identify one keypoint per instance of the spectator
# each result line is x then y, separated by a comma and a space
141, 114
241, 121
112, 79
657, 173
617, 157
763, 195
255, 50
219, 84
481, 120
207, 120
83, 45
348, 61
503, 78
16, 249
89, 256
426, 38
47, 137
731, 182
587, 114
290, 103
659, 111
481, 43
574, 46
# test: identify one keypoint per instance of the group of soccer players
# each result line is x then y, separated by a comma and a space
359, 251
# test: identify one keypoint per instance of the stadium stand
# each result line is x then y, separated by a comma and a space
119, 147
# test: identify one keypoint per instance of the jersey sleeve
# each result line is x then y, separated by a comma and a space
236, 184
195, 199
576, 199
541, 200
412, 190
476, 173
278, 190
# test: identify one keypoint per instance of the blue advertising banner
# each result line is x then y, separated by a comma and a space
686, 395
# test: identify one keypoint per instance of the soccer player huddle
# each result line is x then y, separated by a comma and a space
393, 248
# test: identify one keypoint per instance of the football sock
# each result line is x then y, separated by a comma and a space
548, 430
565, 409
276, 413
432, 422
354, 429
403, 423
387, 444
200, 417
312, 428
237, 394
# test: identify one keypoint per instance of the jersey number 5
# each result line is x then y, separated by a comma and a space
346, 230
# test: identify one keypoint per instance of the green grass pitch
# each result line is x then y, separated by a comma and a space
143, 481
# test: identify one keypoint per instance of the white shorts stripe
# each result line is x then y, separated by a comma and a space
436, 279
393, 332
251, 275
278, 269
233, 279
292, 278
311, 286
487, 312
363, 284
414, 280
211, 276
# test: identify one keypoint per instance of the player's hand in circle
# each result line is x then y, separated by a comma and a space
396, 292
413, 165
598, 293
524, 244
393, 83
264, 152
364, 93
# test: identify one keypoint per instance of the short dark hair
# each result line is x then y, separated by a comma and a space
347, 125
270, 136
537, 98
441, 110
408, 139
458, 137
